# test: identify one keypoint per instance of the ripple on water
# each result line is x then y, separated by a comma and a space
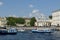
32, 36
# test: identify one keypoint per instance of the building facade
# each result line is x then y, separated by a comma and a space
55, 21
27, 21
3, 22
56, 18
43, 21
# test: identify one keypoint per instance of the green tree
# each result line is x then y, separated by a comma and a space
20, 20
32, 21
50, 16
13, 21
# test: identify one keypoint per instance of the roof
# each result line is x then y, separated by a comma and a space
56, 11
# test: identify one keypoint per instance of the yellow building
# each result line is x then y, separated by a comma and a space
3, 22
27, 21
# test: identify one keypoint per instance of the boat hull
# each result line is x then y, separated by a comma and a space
42, 31
9, 31
3, 32
12, 31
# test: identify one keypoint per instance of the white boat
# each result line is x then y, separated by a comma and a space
21, 30
12, 31
43, 30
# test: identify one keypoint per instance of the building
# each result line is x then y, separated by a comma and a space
27, 21
56, 18
3, 22
43, 21
55, 21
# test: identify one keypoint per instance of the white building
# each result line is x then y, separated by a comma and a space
43, 21
56, 18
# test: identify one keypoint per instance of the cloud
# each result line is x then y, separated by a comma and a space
35, 11
1, 3
31, 6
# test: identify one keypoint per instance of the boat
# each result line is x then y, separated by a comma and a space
3, 31
12, 31
43, 30
21, 30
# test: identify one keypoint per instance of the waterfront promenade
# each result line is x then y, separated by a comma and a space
30, 28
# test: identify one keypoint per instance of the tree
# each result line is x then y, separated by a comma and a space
13, 21
50, 16
20, 20
32, 21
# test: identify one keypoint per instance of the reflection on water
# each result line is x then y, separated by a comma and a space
32, 36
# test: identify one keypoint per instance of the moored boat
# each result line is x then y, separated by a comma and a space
44, 30
21, 30
12, 31
3, 31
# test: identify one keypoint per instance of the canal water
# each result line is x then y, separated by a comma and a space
28, 35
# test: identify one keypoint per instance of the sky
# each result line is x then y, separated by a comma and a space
27, 8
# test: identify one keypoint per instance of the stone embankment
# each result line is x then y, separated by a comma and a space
30, 28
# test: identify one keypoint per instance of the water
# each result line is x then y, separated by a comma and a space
32, 36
